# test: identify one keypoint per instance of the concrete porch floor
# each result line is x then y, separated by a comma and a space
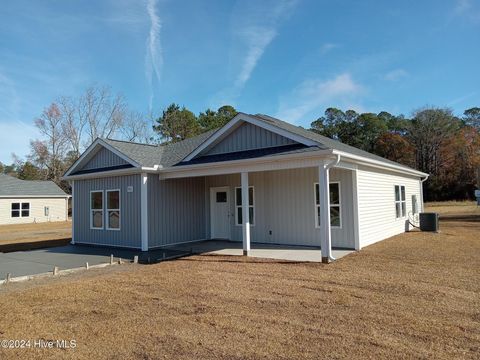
269, 251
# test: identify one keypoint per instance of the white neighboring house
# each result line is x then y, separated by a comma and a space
23, 201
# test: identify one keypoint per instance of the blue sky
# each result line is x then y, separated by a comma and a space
286, 58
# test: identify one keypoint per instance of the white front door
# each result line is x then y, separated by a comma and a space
220, 213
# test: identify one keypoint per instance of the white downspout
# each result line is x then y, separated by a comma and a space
421, 191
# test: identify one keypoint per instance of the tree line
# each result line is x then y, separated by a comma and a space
432, 140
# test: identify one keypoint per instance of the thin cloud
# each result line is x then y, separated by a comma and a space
257, 38
257, 30
312, 94
154, 56
327, 47
467, 9
396, 75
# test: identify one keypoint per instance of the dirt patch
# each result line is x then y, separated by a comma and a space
34, 236
414, 296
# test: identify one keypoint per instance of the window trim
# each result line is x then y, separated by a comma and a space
20, 210
92, 210
316, 206
240, 206
107, 209
401, 201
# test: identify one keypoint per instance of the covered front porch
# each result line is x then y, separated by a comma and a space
284, 210
260, 250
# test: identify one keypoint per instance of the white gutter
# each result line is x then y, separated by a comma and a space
136, 170
379, 164
327, 167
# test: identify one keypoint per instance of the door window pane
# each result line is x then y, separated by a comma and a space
221, 197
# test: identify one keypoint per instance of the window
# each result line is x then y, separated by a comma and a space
20, 210
113, 209
335, 207
25, 209
238, 206
15, 210
46, 211
96, 209
414, 204
400, 202
221, 197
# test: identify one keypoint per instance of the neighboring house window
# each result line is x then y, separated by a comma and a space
400, 202
15, 210
46, 211
25, 209
113, 209
335, 205
238, 206
20, 210
96, 209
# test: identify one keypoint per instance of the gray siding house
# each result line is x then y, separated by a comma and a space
23, 201
255, 180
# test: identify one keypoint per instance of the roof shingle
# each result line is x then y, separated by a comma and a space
10, 186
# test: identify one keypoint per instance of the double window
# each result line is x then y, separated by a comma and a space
20, 210
105, 209
238, 206
335, 205
400, 202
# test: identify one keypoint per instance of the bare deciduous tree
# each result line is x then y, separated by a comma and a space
137, 128
51, 151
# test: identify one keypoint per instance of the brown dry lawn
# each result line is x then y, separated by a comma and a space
447, 208
31, 234
414, 296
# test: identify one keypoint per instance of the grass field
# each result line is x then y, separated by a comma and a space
453, 207
30, 236
414, 296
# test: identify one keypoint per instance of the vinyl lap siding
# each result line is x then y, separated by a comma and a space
57, 210
130, 234
176, 210
376, 196
284, 206
248, 137
104, 158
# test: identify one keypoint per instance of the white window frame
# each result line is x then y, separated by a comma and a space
20, 210
107, 209
401, 202
249, 206
92, 210
317, 206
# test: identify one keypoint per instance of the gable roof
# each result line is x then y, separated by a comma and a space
190, 151
325, 142
13, 187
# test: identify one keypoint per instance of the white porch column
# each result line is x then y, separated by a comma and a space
73, 212
144, 211
245, 214
325, 229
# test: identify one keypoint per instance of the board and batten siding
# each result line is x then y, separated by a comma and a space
285, 207
57, 210
129, 234
376, 198
102, 159
248, 137
176, 210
